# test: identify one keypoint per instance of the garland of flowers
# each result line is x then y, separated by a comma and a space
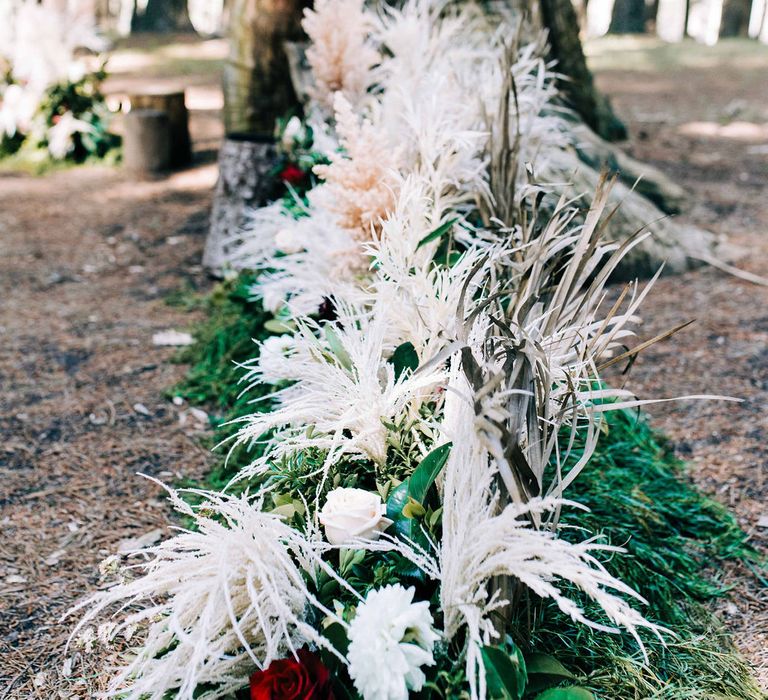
50, 99
438, 345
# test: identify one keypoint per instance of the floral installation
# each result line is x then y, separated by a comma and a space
439, 334
50, 100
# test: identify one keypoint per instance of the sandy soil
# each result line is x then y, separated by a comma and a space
88, 256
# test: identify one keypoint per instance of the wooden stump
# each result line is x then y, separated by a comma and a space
173, 104
146, 143
245, 182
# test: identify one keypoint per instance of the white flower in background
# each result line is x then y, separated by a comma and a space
286, 241
17, 109
274, 358
390, 639
60, 134
293, 130
350, 513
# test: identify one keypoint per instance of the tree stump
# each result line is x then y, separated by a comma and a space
174, 106
146, 143
245, 182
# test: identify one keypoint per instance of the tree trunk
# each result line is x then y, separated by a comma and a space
672, 20
559, 17
244, 183
736, 15
257, 84
161, 16
628, 17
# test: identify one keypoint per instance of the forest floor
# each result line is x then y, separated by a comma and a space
89, 259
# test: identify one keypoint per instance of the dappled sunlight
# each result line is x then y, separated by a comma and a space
737, 130
648, 53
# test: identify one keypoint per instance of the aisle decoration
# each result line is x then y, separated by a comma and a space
440, 325
50, 100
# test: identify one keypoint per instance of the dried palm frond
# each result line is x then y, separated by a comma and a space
485, 540
211, 603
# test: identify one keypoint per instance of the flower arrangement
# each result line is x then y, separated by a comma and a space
50, 101
439, 336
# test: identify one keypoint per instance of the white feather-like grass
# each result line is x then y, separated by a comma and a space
213, 602
483, 540
343, 392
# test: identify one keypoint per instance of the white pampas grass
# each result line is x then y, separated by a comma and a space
483, 540
343, 392
214, 602
340, 55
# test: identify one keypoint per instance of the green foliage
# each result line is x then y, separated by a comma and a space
639, 496
223, 340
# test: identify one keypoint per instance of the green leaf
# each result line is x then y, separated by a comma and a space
544, 671
400, 504
274, 325
336, 347
337, 636
404, 357
438, 232
546, 664
505, 673
425, 474
570, 693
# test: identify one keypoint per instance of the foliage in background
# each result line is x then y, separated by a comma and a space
51, 106
639, 497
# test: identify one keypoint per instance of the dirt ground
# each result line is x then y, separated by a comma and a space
88, 257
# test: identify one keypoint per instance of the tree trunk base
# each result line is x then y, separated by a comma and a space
245, 182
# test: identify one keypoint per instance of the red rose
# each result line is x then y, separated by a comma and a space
291, 679
292, 174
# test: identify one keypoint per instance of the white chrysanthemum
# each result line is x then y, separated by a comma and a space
390, 639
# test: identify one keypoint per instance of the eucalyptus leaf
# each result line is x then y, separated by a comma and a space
337, 348
274, 325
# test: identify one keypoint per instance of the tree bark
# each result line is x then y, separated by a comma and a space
161, 16
628, 17
244, 183
257, 84
559, 17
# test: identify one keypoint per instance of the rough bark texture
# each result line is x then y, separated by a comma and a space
174, 106
244, 183
146, 142
161, 16
559, 17
257, 85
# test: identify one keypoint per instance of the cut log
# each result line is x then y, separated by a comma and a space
245, 182
146, 142
174, 105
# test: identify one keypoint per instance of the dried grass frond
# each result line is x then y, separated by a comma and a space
211, 603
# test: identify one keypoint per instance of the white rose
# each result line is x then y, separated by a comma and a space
293, 130
287, 242
350, 513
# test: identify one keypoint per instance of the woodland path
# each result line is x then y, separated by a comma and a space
88, 259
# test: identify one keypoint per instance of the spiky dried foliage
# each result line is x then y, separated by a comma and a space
342, 391
340, 56
483, 539
211, 603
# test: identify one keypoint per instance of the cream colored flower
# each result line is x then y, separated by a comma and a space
350, 513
